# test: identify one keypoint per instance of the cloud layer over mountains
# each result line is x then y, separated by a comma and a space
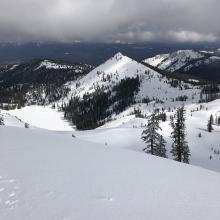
110, 20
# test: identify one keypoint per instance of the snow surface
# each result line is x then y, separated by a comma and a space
10, 120
42, 117
48, 175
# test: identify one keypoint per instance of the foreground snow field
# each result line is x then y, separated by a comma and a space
42, 117
50, 175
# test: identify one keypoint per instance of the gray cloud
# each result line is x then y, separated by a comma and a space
110, 20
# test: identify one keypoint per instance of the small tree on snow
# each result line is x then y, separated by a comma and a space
155, 143
180, 148
26, 125
210, 123
1, 121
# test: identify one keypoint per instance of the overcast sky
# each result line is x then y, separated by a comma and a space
110, 20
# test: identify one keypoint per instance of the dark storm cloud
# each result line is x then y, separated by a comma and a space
110, 20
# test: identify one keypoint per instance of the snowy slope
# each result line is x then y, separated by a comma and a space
107, 75
130, 129
52, 176
202, 64
10, 120
42, 117
155, 61
153, 84
174, 61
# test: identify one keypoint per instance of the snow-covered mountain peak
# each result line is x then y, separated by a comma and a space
118, 56
202, 64
116, 62
174, 61
108, 74
111, 73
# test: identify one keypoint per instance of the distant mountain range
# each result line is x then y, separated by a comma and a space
38, 81
89, 97
201, 64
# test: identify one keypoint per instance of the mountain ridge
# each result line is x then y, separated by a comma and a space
201, 64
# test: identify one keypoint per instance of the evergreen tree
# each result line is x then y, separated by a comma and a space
210, 123
161, 149
180, 148
1, 121
26, 125
152, 138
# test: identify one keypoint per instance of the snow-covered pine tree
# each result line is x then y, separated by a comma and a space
180, 149
152, 138
161, 149
210, 123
